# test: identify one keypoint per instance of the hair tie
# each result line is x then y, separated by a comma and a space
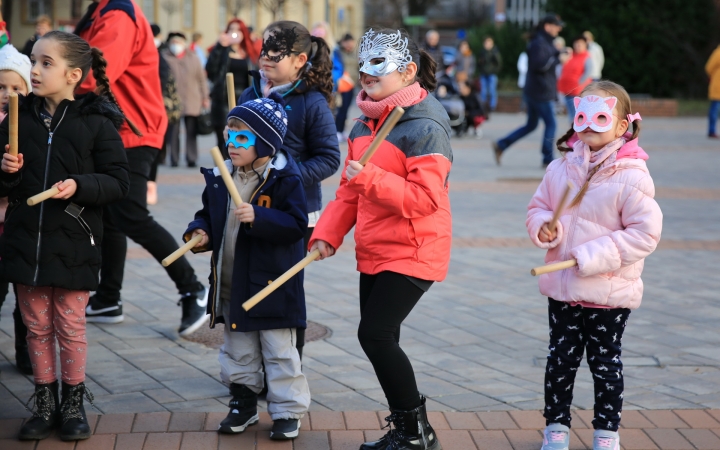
314, 47
308, 66
633, 117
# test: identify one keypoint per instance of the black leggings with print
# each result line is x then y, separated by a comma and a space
572, 330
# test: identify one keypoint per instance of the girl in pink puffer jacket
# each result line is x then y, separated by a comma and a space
609, 227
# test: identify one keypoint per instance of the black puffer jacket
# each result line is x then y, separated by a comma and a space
43, 245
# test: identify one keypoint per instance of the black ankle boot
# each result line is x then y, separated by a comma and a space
74, 421
45, 413
411, 431
243, 410
22, 355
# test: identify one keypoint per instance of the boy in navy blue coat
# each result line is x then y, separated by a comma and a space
253, 245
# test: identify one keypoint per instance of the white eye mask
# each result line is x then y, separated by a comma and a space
594, 112
391, 48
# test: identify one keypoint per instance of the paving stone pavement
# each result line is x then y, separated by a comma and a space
478, 340
335, 430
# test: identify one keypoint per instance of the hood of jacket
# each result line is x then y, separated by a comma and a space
85, 104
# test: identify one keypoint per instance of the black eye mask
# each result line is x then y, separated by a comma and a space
280, 42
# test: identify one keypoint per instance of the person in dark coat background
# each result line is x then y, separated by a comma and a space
540, 89
43, 25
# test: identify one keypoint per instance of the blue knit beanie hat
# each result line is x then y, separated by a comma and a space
266, 118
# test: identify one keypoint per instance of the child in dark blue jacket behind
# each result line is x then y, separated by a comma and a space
253, 245
297, 66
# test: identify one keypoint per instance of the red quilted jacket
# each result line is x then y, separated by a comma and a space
399, 202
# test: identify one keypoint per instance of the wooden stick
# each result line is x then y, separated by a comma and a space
13, 112
379, 137
230, 81
553, 267
41, 197
560, 208
257, 298
174, 256
382, 134
227, 178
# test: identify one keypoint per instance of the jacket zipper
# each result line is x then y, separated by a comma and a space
42, 205
252, 197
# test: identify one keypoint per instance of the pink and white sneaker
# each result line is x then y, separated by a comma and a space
556, 437
606, 440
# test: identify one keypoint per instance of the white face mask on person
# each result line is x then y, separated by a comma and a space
177, 48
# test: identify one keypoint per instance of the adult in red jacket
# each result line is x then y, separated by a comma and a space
575, 75
121, 31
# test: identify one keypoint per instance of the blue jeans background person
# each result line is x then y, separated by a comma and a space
536, 110
713, 113
488, 90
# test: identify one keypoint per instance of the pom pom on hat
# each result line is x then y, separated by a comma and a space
11, 59
266, 118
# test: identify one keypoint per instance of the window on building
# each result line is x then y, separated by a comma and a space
148, 7
188, 13
34, 8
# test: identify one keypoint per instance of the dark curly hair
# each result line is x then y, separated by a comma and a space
319, 74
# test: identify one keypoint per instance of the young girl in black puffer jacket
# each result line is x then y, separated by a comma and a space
51, 251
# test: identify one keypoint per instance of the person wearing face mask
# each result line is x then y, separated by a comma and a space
194, 95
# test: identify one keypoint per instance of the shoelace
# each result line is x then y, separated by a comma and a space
71, 408
557, 436
43, 405
604, 442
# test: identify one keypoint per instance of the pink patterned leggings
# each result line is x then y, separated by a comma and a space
51, 313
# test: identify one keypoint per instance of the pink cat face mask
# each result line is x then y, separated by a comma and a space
594, 112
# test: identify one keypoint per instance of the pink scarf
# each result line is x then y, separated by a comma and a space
408, 96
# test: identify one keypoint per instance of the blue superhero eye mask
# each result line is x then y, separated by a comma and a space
244, 138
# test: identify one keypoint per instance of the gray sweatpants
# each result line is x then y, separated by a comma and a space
241, 361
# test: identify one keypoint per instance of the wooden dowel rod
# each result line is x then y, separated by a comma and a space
174, 256
382, 134
230, 81
560, 207
257, 298
41, 197
227, 178
553, 267
13, 112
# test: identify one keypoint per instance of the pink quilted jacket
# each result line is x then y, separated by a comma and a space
613, 229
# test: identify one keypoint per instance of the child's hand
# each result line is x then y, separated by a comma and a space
11, 163
67, 189
326, 250
205, 239
545, 235
245, 213
353, 169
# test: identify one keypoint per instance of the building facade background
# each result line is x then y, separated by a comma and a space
206, 16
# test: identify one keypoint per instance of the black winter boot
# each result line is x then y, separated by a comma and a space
45, 413
412, 432
243, 410
74, 421
22, 355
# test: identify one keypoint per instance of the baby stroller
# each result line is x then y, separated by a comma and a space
448, 95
